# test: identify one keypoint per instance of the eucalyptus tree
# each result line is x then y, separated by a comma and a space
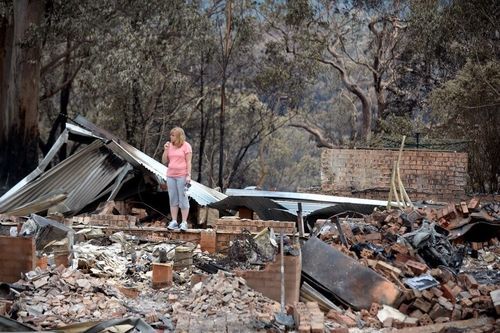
20, 64
455, 66
357, 42
70, 33
467, 108
442, 36
236, 35
140, 82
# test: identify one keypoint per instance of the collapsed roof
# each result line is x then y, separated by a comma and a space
96, 172
284, 206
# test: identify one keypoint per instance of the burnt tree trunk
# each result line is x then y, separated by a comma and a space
203, 117
60, 122
19, 90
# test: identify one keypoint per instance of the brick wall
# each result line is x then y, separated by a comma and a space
122, 221
222, 240
367, 173
268, 280
240, 224
17, 255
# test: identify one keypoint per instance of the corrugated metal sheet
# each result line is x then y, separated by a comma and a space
265, 208
304, 197
75, 129
84, 175
307, 207
313, 205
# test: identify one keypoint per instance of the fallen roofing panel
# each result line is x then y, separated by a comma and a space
297, 196
87, 175
314, 206
329, 211
83, 176
307, 207
348, 280
265, 208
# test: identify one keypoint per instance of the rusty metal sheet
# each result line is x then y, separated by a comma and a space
351, 282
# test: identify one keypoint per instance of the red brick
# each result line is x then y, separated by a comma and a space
456, 315
473, 203
416, 314
425, 320
417, 267
445, 303
304, 328
399, 248
438, 311
428, 295
466, 302
447, 292
403, 308
42, 262
474, 293
339, 330
456, 290
465, 210
476, 246
422, 305
268, 280
195, 278
208, 241
130, 292
162, 275
467, 313
468, 281
341, 318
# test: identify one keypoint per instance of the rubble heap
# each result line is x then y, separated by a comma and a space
59, 296
222, 302
443, 279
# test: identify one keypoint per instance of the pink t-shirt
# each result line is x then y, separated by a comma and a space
177, 162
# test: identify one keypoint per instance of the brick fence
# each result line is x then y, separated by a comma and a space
365, 173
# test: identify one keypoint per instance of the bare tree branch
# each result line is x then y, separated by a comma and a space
317, 133
62, 85
58, 59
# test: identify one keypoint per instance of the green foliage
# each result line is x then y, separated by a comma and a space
467, 107
291, 162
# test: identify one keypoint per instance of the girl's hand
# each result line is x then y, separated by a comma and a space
188, 179
166, 145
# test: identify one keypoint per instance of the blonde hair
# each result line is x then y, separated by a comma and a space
180, 136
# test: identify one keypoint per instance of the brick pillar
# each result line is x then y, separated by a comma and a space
162, 275
208, 240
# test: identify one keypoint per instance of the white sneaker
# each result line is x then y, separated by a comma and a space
173, 225
184, 226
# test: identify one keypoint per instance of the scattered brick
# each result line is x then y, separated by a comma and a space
417, 267
419, 303
425, 320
